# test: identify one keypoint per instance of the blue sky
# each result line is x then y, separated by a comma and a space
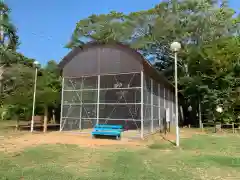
45, 26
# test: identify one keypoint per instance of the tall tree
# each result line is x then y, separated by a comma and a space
48, 89
8, 41
200, 26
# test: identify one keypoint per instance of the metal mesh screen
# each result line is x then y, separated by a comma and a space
115, 99
107, 99
156, 99
79, 109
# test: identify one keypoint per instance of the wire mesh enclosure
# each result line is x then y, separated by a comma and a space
115, 99
127, 95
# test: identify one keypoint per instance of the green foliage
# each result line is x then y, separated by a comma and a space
9, 30
208, 63
49, 85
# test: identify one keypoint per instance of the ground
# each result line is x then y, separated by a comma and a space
69, 156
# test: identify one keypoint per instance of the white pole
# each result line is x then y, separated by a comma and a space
151, 105
176, 101
61, 115
159, 106
98, 98
142, 105
34, 99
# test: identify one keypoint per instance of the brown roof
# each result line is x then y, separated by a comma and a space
148, 68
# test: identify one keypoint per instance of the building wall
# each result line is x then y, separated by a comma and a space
157, 98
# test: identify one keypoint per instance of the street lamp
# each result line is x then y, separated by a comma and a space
175, 47
190, 108
36, 63
219, 109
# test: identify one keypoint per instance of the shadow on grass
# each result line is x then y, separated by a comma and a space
161, 146
105, 137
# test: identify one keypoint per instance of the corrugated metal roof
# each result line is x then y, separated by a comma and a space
147, 66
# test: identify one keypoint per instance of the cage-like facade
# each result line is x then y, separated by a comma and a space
113, 84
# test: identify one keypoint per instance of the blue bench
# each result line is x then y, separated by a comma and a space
107, 130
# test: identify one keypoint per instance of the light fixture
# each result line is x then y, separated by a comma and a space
36, 63
190, 108
175, 46
219, 109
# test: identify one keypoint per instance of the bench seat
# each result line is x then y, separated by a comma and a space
107, 130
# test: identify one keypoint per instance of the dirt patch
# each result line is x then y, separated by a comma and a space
28, 140
16, 143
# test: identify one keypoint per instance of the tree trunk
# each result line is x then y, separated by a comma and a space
45, 120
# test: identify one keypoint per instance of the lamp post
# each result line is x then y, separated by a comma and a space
175, 47
34, 94
219, 109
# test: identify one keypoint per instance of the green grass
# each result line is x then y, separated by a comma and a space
200, 157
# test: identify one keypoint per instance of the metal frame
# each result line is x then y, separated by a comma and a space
151, 105
61, 116
142, 108
153, 118
159, 105
80, 102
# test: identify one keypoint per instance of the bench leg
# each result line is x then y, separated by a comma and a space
118, 137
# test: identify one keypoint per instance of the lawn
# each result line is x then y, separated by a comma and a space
200, 157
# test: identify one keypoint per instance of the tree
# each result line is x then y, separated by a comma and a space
208, 31
48, 89
8, 41
8, 30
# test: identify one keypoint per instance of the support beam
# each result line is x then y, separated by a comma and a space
142, 109
151, 105
61, 116
81, 107
159, 105
98, 98
164, 97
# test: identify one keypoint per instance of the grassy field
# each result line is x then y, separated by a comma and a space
201, 157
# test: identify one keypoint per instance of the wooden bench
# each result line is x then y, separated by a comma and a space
38, 120
107, 130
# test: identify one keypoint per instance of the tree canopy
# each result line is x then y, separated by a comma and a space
208, 65
209, 32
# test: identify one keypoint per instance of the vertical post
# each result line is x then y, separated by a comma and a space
173, 112
169, 108
34, 99
200, 114
233, 129
164, 98
81, 105
176, 100
159, 105
98, 98
151, 105
142, 104
61, 116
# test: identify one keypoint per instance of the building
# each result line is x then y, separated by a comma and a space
113, 84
